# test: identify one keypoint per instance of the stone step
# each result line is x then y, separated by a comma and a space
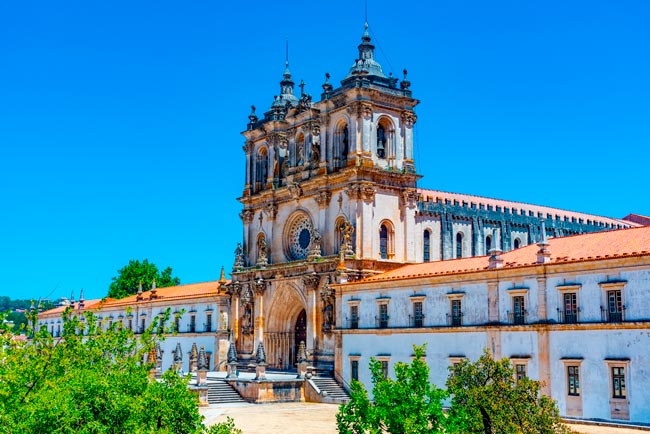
220, 392
333, 389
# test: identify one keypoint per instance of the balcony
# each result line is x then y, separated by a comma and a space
568, 317
608, 315
455, 319
518, 318
416, 321
382, 322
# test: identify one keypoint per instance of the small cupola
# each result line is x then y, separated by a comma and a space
366, 63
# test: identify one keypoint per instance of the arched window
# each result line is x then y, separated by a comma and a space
341, 146
261, 169
426, 246
300, 150
381, 142
386, 240
517, 243
488, 244
459, 245
383, 242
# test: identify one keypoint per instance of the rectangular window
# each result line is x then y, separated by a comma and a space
355, 370
58, 330
456, 313
614, 306
192, 323
208, 323
426, 248
418, 316
519, 310
384, 368
161, 324
354, 317
573, 380
131, 324
383, 316
570, 308
177, 324
143, 324
520, 371
618, 382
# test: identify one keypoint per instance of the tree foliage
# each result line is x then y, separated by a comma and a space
406, 404
485, 399
135, 273
90, 381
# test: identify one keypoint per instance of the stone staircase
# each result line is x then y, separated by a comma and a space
220, 392
333, 391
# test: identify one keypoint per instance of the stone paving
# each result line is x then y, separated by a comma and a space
305, 417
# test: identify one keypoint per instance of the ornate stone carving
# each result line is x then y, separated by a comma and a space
260, 286
248, 147
311, 281
247, 311
235, 289
327, 295
260, 354
408, 118
247, 216
410, 198
202, 362
178, 354
361, 191
323, 198
338, 101
295, 190
271, 210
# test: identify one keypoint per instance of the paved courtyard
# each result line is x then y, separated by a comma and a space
305, 417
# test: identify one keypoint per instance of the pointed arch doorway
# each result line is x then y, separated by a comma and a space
299, 334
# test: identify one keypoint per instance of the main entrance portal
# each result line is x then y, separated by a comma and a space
300, 334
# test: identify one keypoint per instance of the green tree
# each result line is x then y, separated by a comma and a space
487, 399
407, 404
91, 381
135, 273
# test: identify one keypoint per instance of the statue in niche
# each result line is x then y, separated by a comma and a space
315, 154
315, 244
300, 160
328, 318
347, 230
262, 258
223, 321
247, 320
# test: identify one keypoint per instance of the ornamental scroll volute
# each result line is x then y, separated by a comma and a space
328, 296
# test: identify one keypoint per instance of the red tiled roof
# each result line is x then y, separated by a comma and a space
88, 304
190, 290
636, 218
433, 195
586, 247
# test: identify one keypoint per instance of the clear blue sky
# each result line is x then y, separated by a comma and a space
120, 120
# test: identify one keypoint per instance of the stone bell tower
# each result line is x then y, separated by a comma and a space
329, 194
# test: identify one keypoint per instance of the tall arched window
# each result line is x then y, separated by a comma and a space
488, 244
300, 150
426, 246
261, 169
517, 243
383, 242
341, 146
459, 245
381, 142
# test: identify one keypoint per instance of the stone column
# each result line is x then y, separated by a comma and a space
248, 149
311, 282
234, 310
259, 288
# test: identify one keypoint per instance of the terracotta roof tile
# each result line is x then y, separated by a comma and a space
586, 247
544, 210
88, 304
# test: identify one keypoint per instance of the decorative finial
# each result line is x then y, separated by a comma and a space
232, 353
203, 359
327, 86
178, 353
140, 288
72, 297
543, 254
81, 296
194, 352
222, 277
153, 284
405, 84
302, 88
260, 355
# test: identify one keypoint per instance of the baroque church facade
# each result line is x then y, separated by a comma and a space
331, 194
344, 257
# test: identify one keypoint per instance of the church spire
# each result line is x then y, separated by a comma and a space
366, 63
286, 86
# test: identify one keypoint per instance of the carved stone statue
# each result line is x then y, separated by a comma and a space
262, 258
239, 257
314, 245
347, 230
